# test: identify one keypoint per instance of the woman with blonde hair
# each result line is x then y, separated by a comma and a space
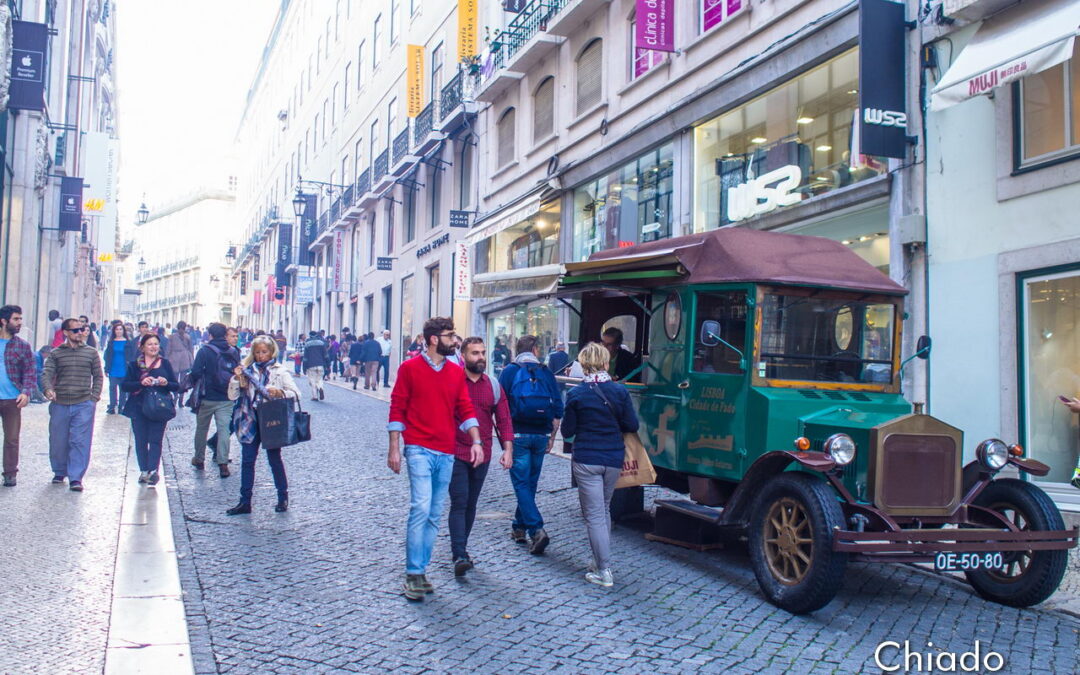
598, 413
259, 378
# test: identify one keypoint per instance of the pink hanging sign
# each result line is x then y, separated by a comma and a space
655, 25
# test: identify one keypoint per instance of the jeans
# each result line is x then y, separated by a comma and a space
429, 477
315, 377
117, 396
529, 450
596, 484
221, 413
249, 453
12, 416
148, 436
371, 374
384, 363
465, 485
71, 431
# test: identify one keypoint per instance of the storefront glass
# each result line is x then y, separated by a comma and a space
625, 207
796, 140
1051, 338
531, 243
407, 311
505, 327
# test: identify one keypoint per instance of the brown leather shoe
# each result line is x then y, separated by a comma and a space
224, 470
198, 464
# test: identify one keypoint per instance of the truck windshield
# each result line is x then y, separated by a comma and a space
822, 339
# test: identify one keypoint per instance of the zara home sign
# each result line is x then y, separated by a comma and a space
765, 193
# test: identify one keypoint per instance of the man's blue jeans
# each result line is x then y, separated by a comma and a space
429, 480
71, 430
384, 363
529, 450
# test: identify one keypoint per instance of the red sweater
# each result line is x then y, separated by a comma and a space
430, 405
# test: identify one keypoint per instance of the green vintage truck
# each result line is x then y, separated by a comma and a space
766, 372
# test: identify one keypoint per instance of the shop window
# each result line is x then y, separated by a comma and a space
505, 132
625, 207
435, 179
436, 71
387, 305
716, 12
376, 41
465, 172
1049, 112
544, 110
409, 207
798, 141
642, 60
407, 309
433, 291
590, 76
369, 313
720, 332
391, 121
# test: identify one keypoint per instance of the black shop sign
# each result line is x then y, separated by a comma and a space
428, 248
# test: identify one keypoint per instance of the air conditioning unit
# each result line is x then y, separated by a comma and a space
974, 10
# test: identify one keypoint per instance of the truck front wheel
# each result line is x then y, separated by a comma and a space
791, 535
1027, 577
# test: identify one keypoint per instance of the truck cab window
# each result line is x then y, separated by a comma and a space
720, 332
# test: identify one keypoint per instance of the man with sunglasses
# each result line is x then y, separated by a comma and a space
72, 381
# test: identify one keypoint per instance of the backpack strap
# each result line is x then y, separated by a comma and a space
496, 390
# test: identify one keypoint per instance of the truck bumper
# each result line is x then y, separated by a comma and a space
921, 545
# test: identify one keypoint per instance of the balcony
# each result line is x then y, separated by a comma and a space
569, 15
403, 159
380, 174
364, 196
453, 108
424, 135
523, 44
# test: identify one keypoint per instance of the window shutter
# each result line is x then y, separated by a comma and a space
543, 110
506, 138
590, 76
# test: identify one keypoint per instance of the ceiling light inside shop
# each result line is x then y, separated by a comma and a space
846, 242
853, 91
804, 120
865, 237
758, 140
824, 148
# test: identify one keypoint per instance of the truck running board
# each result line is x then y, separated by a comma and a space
684, 523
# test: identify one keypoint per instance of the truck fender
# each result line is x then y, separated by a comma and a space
737, 511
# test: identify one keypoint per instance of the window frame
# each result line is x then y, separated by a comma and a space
700, 20
1071, 151
635, 56
510, 112
579, 107
537, 137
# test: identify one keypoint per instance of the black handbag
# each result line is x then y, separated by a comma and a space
157, 405
281, 424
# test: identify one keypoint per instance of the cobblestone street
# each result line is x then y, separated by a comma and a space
318, 589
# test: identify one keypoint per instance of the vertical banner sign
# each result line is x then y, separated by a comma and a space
71, 201
257, 303
308, 230
29, 45
284, 256
655, 25
882, 120
468, 24
305, 290
462, 271
100, 156
255, 265
415, 79
243, 283
339, 262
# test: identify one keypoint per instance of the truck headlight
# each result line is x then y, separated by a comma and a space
992, 453
841, 448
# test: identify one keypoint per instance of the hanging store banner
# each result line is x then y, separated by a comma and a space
468, 25
284, 252
257, 303
339, 262
255, 265
309, 229
29, 46
243, 283
655, 25
71, 202
462, 271
882, 117
305, 290
414, 92
100, 159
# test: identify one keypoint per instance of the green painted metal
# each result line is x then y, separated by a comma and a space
622, 276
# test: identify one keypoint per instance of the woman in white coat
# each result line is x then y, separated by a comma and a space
258, 378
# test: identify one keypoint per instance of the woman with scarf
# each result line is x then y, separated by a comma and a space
149, 371
598, 412
260, 377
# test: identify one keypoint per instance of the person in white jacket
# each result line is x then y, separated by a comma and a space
258, 378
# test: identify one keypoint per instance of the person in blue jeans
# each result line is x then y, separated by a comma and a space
121, 349
536, 409
147, 372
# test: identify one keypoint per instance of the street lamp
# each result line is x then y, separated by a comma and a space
143, 214
142, 263
299, 203
214, 280
230, 254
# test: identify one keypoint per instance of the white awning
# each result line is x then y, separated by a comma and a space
502, 220
540, 280
1027, 39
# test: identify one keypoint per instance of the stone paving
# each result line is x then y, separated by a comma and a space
317, 589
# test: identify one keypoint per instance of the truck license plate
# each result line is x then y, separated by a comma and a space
967, 562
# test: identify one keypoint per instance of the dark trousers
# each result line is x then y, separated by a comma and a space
465, 484
384, 363
12, 417
148, 436
249, 453
117, 396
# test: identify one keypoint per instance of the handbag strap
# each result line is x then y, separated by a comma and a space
607, 404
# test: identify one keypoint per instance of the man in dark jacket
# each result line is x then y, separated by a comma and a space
558, 359
210, 373
372, 352
356, 360
316, 360
623, 361
536, 408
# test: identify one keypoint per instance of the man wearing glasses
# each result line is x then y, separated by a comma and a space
72, 382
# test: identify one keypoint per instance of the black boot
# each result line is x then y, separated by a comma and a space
282, 505
239, 509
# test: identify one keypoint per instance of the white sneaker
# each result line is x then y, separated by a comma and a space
144, 476
601, 578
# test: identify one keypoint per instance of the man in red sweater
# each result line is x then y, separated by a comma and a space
428, 405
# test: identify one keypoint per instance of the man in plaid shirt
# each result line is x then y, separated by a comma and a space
18, 379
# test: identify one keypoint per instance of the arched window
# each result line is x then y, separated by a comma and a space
590, 76
505, 132
544, 110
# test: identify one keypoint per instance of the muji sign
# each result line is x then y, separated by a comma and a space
655, 25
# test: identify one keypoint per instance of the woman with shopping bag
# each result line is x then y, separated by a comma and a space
258, 379
150, 383
598, 413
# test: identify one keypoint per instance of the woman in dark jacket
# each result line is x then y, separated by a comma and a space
598, 412
148, 371
119, 352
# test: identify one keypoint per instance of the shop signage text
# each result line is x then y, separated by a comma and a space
459, 218
468, 25
384, 264
765, 193
415, 80
305, 290
255, 267
428, 248
339, 260
284, 252
462, 271
71, 199
882, 77
29, 44
308, 230
885, 118
655, 25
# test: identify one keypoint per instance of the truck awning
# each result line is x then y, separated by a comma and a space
541, 280
1020, 41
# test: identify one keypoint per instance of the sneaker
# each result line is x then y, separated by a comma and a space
426, 585
239, 509
540, 541
9, 481
1076, 481
462, 565
198, 464
144, 476
152, 478
224, 470
57, 480
354, 385
414, 587
322, 394
76, 486
110, 411
600, 578
282, 506
518, 536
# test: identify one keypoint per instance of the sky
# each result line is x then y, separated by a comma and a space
183, 72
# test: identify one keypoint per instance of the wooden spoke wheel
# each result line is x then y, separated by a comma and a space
788, 545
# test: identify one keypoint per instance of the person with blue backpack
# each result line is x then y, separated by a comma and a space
536, 410
210, 374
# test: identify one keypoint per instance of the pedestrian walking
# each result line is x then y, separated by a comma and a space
210, 374
356, 361
598, 413
149, 372
415, 347
18, 382
333, 352
180, 354
316, 358
385, 347
536, 408
72, 381
282, 345
558, 359
428, 404
55, 328
120, 350
261, 377
91, 330
466, 481
371, 354
39, 368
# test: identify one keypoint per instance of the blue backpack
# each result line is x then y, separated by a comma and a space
530, 400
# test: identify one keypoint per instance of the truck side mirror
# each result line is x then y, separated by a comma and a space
922, 347
710, 333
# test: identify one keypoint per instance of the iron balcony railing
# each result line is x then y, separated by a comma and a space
335, 211
363, 183
424, 123
324, 222
401, 144
382, 164
450, 97
347, 198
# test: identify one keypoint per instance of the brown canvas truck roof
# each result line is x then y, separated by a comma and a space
737, 254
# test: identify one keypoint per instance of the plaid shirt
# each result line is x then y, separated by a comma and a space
483, 399
19, 361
